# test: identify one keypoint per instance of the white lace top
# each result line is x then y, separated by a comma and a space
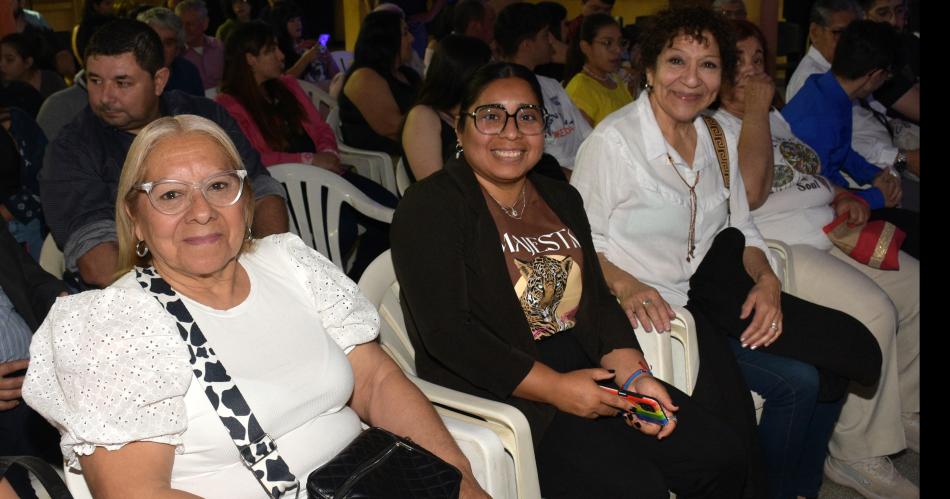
109, 367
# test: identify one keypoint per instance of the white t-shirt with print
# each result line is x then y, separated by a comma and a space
798, 206
567, 127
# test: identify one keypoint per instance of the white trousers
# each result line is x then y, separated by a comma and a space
885, 301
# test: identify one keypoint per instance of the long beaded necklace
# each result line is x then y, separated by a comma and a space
691, 241
512, 211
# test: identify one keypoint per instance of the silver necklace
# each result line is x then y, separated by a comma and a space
512, 211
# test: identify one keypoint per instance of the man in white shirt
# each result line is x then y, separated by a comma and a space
522, 37
870, 137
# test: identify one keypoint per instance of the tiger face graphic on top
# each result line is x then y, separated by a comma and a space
546, 279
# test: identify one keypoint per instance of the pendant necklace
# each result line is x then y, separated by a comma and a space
691, 240
513, 212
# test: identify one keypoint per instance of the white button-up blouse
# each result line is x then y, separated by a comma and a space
639, 208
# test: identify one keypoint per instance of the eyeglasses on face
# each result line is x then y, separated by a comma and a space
172, 197
610, 43
491, 119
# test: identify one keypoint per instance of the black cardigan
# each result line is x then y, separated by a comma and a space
462, 314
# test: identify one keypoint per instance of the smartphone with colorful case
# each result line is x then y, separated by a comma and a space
645, 407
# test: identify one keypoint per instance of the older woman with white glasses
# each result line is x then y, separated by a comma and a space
157, 381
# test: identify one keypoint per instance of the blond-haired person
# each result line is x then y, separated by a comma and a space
112, 372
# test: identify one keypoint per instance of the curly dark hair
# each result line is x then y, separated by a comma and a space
692, 22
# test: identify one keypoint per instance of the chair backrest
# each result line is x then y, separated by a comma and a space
402, 177
320, 98
378, 283
333, 119
343, 59
374, 165
51, 258
309, 189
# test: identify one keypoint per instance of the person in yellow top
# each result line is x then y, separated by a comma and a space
593, 61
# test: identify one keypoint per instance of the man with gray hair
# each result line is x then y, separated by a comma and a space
874, 136
184, 75
205, 52
829, 18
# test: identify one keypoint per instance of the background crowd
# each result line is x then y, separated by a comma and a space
631, 171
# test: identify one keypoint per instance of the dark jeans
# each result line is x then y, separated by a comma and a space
376, 238
795, 427
605, 458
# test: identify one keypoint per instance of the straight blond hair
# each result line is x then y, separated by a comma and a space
136, 164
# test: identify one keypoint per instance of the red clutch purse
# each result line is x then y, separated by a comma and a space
876, 243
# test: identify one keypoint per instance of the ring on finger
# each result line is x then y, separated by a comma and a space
646, 302
774, 326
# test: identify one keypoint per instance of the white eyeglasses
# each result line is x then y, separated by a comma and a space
172, 197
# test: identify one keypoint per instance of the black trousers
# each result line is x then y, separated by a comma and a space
838, 345
604, 458
23, 432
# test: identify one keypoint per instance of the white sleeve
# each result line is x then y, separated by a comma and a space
108, 368
348, 317
870, 138
598, 177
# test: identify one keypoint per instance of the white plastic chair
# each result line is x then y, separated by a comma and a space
374, 165
76, 483
402, 177
308, 189
51, 258
378, 284
320, 98
343, 59
684, 346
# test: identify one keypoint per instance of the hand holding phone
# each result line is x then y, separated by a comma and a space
645, 407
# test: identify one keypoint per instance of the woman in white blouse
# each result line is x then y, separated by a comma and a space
795, 202
673, 229
111, 371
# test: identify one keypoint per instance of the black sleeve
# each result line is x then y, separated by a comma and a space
433, 265
41, 287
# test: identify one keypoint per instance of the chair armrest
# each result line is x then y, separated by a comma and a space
783, 254
515, 434
683, 331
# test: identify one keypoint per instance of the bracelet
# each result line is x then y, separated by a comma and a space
634, 376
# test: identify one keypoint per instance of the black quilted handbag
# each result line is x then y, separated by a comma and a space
378, 464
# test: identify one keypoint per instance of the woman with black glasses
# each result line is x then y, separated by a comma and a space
534, 325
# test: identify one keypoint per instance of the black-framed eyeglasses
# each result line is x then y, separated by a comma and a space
491, 119
172, 197
610, 43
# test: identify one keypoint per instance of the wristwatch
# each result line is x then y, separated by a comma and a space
900, 162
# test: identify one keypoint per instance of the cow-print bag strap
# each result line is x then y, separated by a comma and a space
257, 449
